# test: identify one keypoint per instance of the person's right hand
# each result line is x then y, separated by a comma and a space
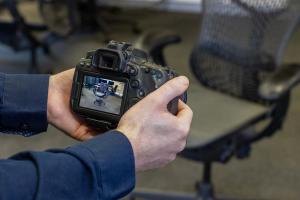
155, 134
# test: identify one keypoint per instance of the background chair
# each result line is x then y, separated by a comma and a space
22, 36
65, 17
154, 43
238, 60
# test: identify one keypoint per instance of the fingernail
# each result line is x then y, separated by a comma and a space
184, 80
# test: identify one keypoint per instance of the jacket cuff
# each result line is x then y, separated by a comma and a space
114, 159
23, 104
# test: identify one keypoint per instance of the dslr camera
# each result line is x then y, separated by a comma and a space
108, 81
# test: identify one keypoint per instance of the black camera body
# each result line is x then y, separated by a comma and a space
108, 81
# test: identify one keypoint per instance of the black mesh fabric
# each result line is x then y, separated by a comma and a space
241, 42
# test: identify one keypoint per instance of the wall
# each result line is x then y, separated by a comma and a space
193, 6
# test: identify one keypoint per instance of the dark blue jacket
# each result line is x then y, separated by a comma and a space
102, 168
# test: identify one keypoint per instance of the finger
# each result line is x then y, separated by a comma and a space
171, 90
181, 105
86, 137
84, 133
185, 113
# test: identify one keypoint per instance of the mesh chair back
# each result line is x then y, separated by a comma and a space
242, 41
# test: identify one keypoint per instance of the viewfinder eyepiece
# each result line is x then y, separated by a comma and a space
107, 59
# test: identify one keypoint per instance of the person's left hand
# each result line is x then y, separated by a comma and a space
59, 111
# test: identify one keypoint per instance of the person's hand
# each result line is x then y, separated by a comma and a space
59, 111
155, 134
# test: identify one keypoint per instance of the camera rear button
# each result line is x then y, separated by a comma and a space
153, 72
172, 75
141, 93
135, 84
133, 71
147, 70
159, 75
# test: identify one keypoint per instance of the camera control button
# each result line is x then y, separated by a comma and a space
135, 84
147, 70
141, 93
132, 71
153, 72
159, 75
172, 75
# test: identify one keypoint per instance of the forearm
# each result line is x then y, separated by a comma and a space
23, 104
102, 168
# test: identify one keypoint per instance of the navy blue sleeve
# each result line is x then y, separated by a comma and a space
23, 103
102, 168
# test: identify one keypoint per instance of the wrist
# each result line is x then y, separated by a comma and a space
50, 105
134, 145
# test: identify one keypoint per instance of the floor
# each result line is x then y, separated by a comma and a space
110, 104
273, 170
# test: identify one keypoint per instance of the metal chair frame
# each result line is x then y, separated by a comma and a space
19, 25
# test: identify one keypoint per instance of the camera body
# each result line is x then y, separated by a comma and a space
109, 81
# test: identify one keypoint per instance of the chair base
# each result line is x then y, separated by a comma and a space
204, 188
156, 195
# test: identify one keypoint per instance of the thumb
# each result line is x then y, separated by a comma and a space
170, 90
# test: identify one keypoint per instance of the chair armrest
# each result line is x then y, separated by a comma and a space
280, 83
154, 43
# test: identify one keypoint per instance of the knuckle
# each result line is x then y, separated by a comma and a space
172, 158
183, 129
168, 159
190, 111
182, 146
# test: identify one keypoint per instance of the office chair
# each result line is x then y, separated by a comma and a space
154, 43
21, 36
2, 4
245, 98
65, 17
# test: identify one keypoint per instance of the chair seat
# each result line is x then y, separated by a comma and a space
217, 115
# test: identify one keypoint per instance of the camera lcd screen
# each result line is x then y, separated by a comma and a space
101, 94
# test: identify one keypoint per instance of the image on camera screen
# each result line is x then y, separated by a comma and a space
102, 94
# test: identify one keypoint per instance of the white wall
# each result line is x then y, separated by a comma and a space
171, 5
183, 5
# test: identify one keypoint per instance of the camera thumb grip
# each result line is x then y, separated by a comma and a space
173, 105
184, 97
